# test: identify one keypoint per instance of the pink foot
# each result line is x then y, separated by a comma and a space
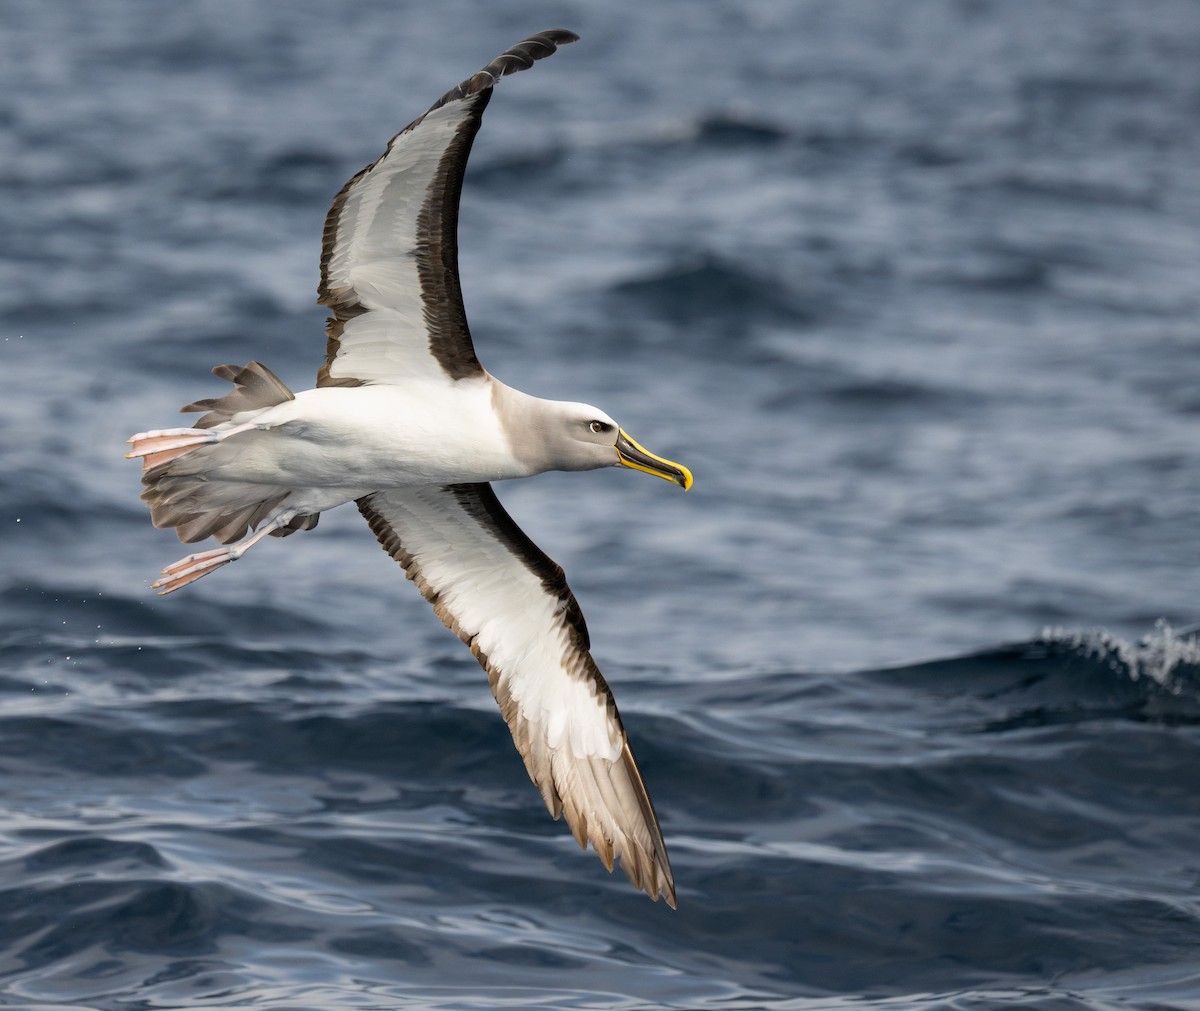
189, 569
159, 447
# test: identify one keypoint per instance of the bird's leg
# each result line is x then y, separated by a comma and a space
189, 569
165, 444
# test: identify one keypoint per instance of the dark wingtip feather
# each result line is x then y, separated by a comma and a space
520, 57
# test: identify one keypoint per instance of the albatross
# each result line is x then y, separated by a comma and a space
406, 423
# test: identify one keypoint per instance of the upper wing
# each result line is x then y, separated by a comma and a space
389, 258
494, 588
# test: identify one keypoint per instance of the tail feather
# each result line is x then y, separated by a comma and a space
226, 527
257, 387
198, 508
183, 493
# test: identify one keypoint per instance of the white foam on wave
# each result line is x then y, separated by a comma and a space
1158, 656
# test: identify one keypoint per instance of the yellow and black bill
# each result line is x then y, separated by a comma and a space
631, 454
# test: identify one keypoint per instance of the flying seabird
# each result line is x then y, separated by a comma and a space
405, 422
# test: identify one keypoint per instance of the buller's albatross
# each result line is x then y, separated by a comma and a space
406, 423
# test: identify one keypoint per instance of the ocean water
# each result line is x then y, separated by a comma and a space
913, 288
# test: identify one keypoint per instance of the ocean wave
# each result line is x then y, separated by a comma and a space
934, 805
1168, 657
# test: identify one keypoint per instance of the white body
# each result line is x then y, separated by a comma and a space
370, 438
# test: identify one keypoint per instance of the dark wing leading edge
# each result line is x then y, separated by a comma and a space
510, 604
389, 258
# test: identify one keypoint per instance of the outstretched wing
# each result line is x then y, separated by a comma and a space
389, 259
495, 589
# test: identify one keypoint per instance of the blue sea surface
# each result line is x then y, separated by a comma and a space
913, 288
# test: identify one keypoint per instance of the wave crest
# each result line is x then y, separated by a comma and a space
1167, 656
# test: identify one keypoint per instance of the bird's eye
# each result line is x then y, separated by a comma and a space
598, 427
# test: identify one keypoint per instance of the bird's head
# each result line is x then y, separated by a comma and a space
582, 437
